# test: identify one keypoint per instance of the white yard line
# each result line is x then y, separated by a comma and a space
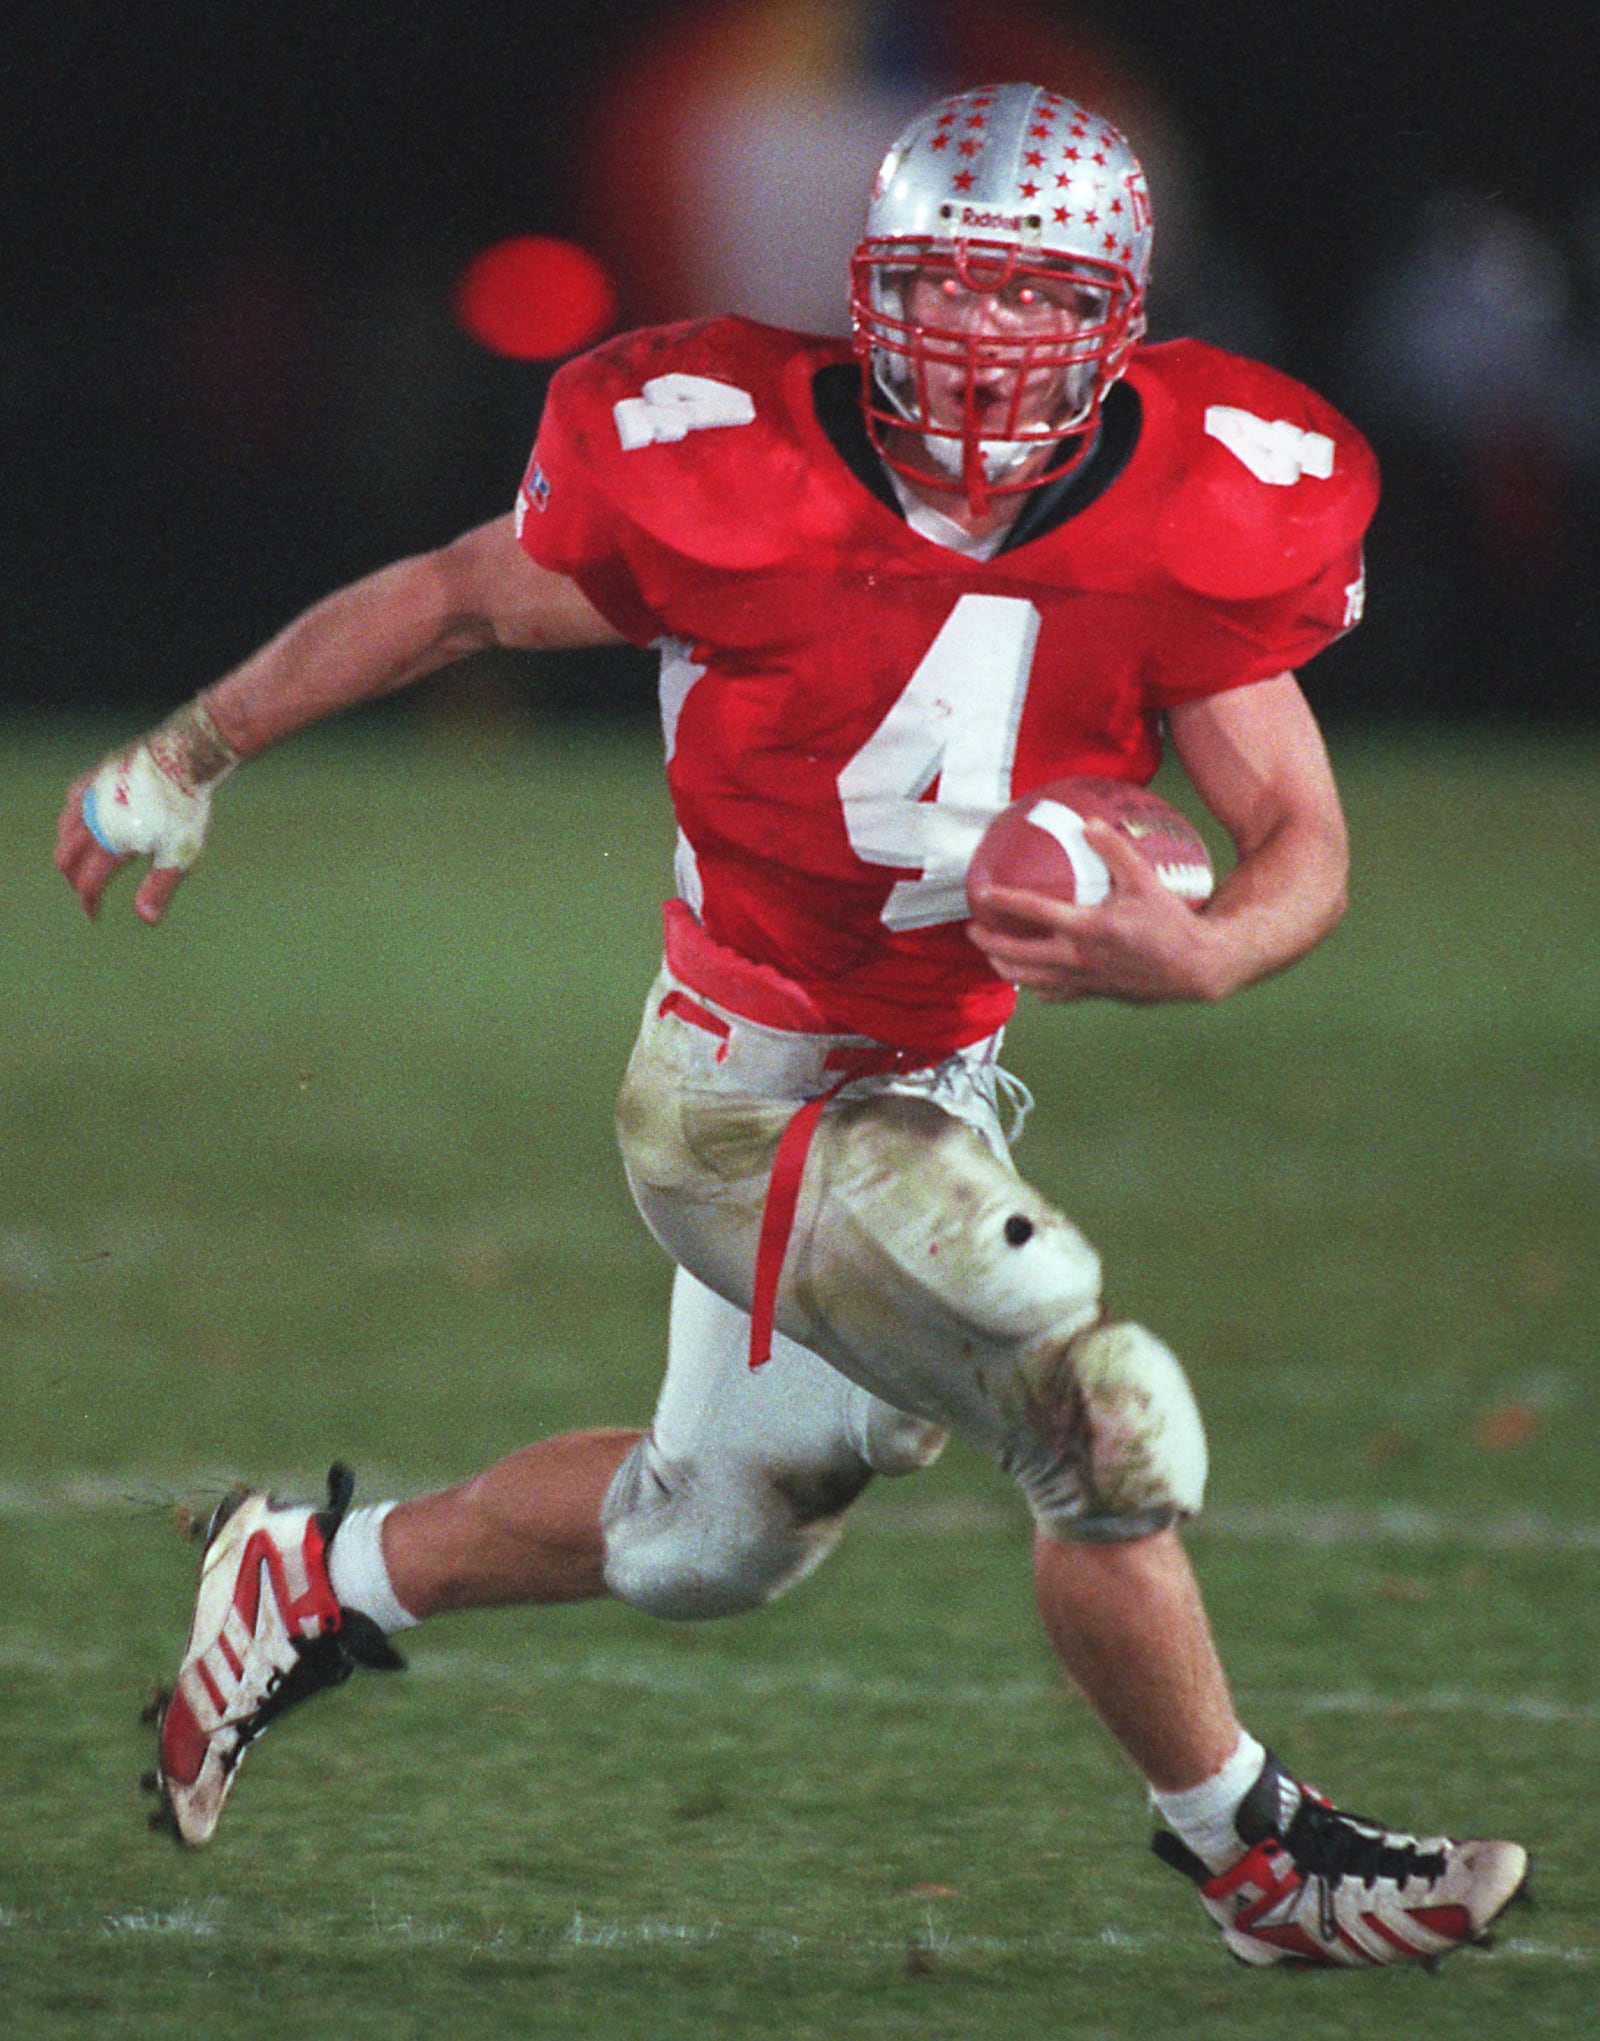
591, 1932
598, 1932
892, 1511
711, 1677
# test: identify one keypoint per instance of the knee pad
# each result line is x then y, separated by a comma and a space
684, 1542
1114, 1446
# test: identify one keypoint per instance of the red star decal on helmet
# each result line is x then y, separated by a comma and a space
1029, 190
939, 142
1109, 242
969, 148
1060, 215
1091, 219
1116, 205
1035, 158
947, 119
1127, 251
977, 120
1071, 156
962, 180
1041, 132
1063, 180
1097, 157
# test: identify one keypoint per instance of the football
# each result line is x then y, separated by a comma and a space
1038, 844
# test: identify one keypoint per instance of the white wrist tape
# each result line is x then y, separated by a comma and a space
154, 800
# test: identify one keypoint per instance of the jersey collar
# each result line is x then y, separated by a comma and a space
836, 396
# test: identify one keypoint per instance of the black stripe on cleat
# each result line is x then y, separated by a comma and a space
230, 1504
1173, 1850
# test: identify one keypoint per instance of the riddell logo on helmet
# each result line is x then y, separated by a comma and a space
972, 216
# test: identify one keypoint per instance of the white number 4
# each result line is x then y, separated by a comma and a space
956, 722
675, 405
1271, 448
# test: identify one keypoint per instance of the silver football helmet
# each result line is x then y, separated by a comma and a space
1022, 205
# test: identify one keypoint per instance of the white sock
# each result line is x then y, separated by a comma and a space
357, 1573
1202, 1816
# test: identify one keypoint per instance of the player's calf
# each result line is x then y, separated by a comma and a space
268, 1632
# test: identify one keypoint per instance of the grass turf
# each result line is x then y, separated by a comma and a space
324, 1166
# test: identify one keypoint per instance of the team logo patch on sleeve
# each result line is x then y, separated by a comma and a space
534, 494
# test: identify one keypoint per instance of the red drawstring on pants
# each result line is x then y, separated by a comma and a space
788, 1167
873, 1059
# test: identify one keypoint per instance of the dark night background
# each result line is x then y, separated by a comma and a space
229, 378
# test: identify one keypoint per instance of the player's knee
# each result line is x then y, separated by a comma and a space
1113, 1447
685, 1546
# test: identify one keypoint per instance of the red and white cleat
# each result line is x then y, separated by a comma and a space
1319, 1886
267, 1633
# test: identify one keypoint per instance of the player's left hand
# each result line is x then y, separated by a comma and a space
1141, 943
147, 801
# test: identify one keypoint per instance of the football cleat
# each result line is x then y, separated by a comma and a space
1319, 1886
268, 1632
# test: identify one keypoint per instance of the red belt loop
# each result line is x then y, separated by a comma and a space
783, 1186
698, 1016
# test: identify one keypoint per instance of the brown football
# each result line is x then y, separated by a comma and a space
1038, 843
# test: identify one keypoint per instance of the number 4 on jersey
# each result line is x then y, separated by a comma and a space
955, 724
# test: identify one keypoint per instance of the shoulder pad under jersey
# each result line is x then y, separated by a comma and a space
1265, 484
689, 431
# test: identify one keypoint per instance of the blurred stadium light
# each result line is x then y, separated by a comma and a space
731, 153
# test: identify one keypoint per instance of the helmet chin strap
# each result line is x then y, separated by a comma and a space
997, 457
977, 463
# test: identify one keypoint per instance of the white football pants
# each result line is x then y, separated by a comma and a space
925, 1286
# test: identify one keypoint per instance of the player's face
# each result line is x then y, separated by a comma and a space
1002, 349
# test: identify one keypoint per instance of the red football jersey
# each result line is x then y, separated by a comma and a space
846, 704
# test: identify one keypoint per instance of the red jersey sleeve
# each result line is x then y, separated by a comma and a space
564, 518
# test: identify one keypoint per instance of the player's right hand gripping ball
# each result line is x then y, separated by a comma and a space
1039, 844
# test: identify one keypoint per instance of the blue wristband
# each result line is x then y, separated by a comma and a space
91, 821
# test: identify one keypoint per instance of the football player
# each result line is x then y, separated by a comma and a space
894, 582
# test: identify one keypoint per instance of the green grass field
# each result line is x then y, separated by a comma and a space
324, 1166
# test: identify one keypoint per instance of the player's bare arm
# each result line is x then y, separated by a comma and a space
396, 626
1256, 758
369, 639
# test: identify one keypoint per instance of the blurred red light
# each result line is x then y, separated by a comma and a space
534, 298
